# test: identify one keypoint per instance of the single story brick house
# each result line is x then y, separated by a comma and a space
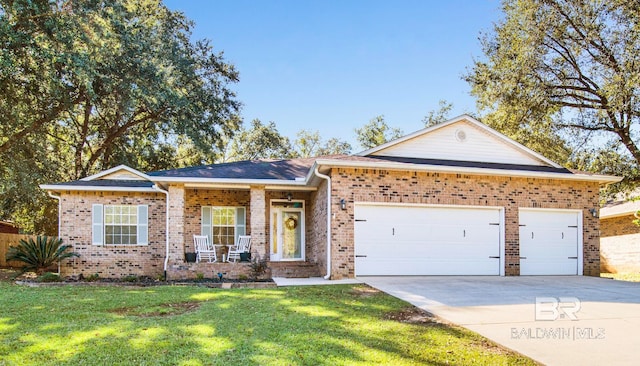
457, 198
619, 236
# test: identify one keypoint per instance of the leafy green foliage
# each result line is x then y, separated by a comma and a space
439, 116
259, 141
376, 132
39, 254
562, 64
310, 144
49, 277
89, 84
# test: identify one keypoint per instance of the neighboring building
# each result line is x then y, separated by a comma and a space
457, 198
7, 227
620, 236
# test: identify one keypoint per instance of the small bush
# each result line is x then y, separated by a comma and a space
130, 278
258, 267
243, 277
199, 276
93, 278
39, 254
49, 277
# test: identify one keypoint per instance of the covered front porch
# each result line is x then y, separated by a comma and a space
279, 220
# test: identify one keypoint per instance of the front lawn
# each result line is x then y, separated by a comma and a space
171, 325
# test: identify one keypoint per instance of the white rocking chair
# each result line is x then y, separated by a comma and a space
243, 246
204, 250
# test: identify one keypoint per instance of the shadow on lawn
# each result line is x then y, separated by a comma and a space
310, 326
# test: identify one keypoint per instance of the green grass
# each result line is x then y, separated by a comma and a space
631, 277
165, 325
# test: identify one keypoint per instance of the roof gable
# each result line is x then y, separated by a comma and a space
461, 139
121, 172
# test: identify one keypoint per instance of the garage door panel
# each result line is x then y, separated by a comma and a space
411, 240
549, 242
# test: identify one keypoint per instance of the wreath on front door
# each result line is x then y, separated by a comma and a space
291, 223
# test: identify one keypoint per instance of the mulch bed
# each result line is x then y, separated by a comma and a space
30, 279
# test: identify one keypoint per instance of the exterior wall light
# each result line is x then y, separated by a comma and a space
343, 204
594, 212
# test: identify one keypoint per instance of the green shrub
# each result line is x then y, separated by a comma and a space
39, 254
258, 267
49, 277
199, 276
92, 278
130, 278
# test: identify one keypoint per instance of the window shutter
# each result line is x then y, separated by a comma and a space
240, 222
206, 222
143, 225
97, 225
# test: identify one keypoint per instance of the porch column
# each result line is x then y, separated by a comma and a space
176, 224
259, 221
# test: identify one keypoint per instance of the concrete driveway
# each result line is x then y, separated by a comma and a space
533, 315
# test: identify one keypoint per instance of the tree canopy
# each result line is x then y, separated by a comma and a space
561, 68
88, 84
376, 132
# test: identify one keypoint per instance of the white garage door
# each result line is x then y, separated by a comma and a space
549, 242
418, 240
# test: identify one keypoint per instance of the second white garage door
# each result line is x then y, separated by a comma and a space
549, 242
434, 240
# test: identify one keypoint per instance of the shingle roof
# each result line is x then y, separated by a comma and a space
251, 169
471, 164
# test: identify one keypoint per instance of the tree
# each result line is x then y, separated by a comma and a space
260, 141
442, 114
89, 84
376, 133
564, 64
310, 144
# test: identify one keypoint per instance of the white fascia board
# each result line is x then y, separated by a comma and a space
469, 171
115, 169
290, 188
627, 208
475, 122
228, 181
604, 215
58, 188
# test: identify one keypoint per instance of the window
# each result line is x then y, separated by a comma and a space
223, 225
120, 224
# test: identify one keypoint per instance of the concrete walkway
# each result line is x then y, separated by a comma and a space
606, 329
311, 281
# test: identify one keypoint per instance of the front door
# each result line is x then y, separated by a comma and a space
287, 234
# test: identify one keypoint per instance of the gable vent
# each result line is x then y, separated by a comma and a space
461, 135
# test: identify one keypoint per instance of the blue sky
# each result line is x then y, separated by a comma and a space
332, 66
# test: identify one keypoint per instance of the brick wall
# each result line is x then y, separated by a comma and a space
196, 198
317, 238
111, 261
371, 185
619, 245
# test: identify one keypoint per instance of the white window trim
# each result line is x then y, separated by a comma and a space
206, 222
98, 232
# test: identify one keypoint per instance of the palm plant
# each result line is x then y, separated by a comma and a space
40, 253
